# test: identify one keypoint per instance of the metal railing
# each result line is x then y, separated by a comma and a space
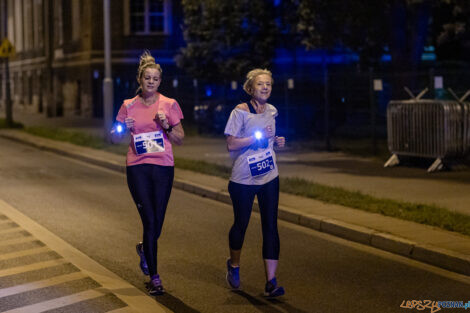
437, 129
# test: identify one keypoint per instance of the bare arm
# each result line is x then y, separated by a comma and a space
115, 136
176, 135
237, 143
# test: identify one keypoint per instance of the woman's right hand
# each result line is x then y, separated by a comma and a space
129, 122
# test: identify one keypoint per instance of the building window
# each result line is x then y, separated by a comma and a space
58, 23
28, 25
76, 16
148, 17
11, 24
18, 28
38, 23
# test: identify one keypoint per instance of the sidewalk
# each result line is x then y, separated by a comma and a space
420, 242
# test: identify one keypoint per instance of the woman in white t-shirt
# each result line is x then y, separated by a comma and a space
250, 133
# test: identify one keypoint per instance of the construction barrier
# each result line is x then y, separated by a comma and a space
437, 129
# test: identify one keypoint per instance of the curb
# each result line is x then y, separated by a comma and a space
450, 260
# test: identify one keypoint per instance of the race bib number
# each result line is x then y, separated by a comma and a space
149, 142
261, 163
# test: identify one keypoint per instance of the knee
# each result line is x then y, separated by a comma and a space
149, 227
270, 231
157, 233
237, 231
239, 227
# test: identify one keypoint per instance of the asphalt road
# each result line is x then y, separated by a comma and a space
91, 209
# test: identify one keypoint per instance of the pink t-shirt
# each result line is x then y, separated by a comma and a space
145, 124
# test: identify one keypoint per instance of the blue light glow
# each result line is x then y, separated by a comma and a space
119, 128
258, 135
386, 58
428, 56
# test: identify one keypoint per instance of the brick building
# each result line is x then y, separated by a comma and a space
59, 63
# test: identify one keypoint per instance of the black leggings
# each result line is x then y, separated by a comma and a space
242, 199
150, 186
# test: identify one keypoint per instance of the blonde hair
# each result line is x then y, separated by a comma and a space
250, 78
146, 61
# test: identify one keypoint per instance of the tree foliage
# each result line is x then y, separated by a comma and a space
343, 23
225, 38
370, 27
453, 22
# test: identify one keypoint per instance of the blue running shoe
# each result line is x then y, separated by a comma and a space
143, 263
155, 286
272, 290
233, 275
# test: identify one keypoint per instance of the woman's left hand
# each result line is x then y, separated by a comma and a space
280, 141
161, 119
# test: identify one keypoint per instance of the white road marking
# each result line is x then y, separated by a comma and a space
9, 230
17, 254
41, 284
14, 241
129, 294
31, 267
60, 302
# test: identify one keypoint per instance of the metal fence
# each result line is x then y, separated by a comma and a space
435, 129
320, 104
323, 104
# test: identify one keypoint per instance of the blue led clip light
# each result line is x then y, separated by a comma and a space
119, 128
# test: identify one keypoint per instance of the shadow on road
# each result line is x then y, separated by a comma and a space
268, 305
174, 304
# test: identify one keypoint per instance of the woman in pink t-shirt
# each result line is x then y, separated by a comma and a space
154, 123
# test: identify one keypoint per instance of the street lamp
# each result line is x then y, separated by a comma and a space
107, 81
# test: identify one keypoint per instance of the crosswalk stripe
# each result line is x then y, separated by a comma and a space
17, 254
9, 230
14, 241
4, 221
60, 302
5, 292
31, 267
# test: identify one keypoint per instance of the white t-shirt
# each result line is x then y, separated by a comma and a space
255, 164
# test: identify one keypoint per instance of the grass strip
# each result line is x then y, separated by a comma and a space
61, 134
3, 124
420, 213
76, 137
203, 167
